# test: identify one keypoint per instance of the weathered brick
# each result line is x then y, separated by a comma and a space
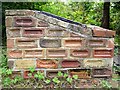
102, 72
34, 53
13, 32
19, 12
70, 63
24, 64
73, 43
101, 32
46, 64
97, 43
10, 43
82, 73
54, 73
26, 43
24, 21
9, 21
93, 63
103, 53
80, 53
42, 24
14, 54
110, 43
15, 74
56, 53
73, 35
26, 74
33, 32
110, 33
50, 43
10, 63
57, 32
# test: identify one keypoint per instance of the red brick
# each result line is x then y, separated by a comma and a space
80, 53
50, 43
10, 43
42, 24
15, 54
26, 43
97, 43
82, 73
24, 21
110, 44
73, 43
103, 53
46, 64
34, 54
54, 73
33, 32
70, 63
56, 53
110, 33
103, 72
98, 32
101, 32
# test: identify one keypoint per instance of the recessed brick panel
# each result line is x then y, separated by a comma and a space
103, 53
80, 53
82, 73
56, 53
70, 63
72, 43
26, 43
97, 43
50, 43
24, 64
103, 72
93, 63
15, 54
24, 21
46, 64
33, 32
34, 53
54, 73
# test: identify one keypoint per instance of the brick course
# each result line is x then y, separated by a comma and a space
45, 41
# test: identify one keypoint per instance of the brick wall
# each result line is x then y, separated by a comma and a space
51, 43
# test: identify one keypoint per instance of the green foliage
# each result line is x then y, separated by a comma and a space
69, 79
32, 69
60, 74
6, 72
39, 75
47, 81
75, 77
56, 80
16, 79
105, 84
6, 81
65, 75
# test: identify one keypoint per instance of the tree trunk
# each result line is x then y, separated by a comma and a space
106, 15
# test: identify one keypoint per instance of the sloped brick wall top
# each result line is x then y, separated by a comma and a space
49, 42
